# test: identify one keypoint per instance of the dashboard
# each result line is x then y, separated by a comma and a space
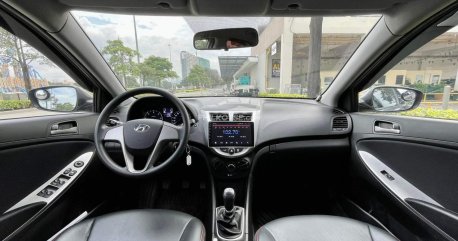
235, 126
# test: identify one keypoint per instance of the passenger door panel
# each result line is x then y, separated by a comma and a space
416, 166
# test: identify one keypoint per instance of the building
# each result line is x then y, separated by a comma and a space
188, 61
280, 60
12, 83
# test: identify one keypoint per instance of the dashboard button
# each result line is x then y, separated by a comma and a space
237, 150
223, 149
231, 151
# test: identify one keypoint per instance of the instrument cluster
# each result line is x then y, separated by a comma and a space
166, 113
155, 108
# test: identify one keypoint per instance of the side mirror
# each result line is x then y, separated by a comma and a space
61, 98
230, 38
390, 99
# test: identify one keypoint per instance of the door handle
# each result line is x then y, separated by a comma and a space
387, 127
67, 127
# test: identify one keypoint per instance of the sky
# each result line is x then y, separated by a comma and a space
155, 34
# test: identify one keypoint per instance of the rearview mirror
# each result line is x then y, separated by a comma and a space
61, 98
390, 99
230, 38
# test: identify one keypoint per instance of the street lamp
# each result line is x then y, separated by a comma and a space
170, 52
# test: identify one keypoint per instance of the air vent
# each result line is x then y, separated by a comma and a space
219, 116
242, 116
340, 123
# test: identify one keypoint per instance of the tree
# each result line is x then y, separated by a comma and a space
19, 53
214, 76
198, 76
156, 69
120, 59
313, 73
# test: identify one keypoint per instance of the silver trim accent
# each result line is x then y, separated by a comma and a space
399, 186
242, 235
34, 198
245, 150
73, 222
382, 131
378, 129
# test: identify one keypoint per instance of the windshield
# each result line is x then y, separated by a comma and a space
296, 57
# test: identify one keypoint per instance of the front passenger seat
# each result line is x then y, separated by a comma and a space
137, 225
320, 228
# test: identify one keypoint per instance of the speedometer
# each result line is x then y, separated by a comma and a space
176, 118
153, 114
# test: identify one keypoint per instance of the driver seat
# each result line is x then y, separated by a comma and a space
139, 225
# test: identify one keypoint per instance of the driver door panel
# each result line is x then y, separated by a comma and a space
30, 157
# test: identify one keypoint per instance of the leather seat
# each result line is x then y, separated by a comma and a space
138, 225
320, 228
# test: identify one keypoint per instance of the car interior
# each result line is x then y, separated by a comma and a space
159, 163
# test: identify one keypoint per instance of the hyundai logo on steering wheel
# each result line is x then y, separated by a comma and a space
141, 128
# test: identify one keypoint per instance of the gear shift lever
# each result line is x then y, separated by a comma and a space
229, 217
229, 199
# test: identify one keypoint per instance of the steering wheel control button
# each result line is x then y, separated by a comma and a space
78, 164
231, 151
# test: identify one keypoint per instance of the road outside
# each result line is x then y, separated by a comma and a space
203, 92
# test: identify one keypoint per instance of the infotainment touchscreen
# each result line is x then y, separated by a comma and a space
231, 133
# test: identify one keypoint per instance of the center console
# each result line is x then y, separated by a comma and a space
231, 139
231, 136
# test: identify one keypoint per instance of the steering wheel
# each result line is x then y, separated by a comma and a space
141, 137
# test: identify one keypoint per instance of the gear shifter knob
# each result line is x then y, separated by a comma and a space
229, 199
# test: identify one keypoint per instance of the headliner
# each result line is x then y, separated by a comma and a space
52, 14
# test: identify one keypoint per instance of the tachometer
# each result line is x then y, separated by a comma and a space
153, 114
176, 118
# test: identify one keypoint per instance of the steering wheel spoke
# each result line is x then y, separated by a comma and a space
117, 134
168, 134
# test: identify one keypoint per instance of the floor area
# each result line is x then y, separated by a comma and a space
288, 187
